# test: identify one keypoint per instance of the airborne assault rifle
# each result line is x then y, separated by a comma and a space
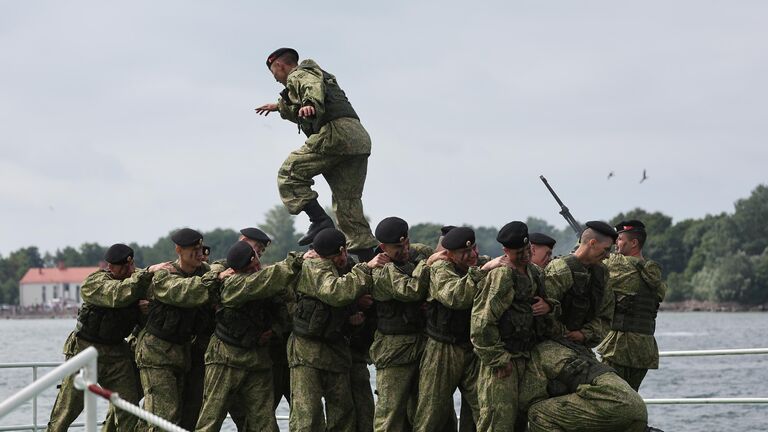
564, 210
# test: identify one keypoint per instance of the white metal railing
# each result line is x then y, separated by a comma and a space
708, 401
84, 362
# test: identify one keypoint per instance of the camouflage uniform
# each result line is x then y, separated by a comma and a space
359, 376
632, 353
559, 284
163, 363
337, 147
446, 365
397, 354
503, 331
115, 367
320, 365
600, 402
240, 371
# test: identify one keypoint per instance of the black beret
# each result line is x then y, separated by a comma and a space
459, 238
630, 225
446, 229
603, 228
240, 255
329, 242
392, 230
257, 235
542, 239
278, 52
187, 237
118, 254
513, 235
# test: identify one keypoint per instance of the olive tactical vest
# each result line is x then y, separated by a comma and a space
336, 106
581, 301
103, 325
243, 326
636, 313
171, 323
517, 325
317, 320
399, 318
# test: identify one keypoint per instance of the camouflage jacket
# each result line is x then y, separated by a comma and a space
100, 288
626, 276
558, 279
498, 290
321, 279
407, 283
453, 290
306, 85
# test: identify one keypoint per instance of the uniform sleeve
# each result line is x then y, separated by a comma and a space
176, 290
310, 89
100, 289
287, 111
273, 280
452, 290
557, 280
651, 273
595, 330
388, 282
493, 298
338, 291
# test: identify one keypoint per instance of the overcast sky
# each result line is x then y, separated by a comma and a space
120, 121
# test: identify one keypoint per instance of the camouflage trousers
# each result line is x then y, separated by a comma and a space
250, 390
609, 404
633, 376
499, 397
115, 374
308, 387
163, 390
397, 387
345, 175
444, 368
362, 396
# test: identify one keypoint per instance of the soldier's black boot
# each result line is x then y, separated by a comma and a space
363, 255
320, 221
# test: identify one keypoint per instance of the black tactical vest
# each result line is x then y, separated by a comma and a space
336, 106
581, 368
448, 325
171, 323
317, 320
400, 318
517, 325
103, 325
243, 326
636, 313
581, 301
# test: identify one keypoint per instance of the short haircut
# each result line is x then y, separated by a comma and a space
290, 58
590, 234
640, 235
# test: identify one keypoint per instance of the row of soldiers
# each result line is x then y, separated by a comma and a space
513, 336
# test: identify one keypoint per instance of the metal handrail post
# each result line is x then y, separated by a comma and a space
88, 375
48, 380
34, 401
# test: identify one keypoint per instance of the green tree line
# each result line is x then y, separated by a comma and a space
721, 258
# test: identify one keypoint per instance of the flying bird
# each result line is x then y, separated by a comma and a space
645, 177
610, 174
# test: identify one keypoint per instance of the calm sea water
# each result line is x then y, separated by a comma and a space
727, 376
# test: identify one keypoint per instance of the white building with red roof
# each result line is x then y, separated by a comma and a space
53, 286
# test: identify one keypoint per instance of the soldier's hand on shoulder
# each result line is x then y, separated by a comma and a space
310, 254
378, 261
496, 262
161, 266
437, 256
266, 109
226, 273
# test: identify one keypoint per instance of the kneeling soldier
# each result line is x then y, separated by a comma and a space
566, 389
237, 362
318, 348
508, 319
109, 313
